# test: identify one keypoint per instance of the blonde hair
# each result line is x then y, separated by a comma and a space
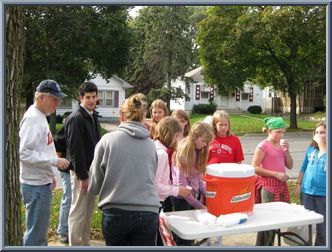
154, 105
180, 114
185, 154
166, 131
134, 107
217, 117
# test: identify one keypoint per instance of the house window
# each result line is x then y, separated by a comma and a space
245, 96
101, 99
108, 98
205, 95
65, 103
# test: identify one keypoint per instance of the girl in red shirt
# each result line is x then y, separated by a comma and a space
225, 146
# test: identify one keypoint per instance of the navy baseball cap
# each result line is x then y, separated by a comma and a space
50, 86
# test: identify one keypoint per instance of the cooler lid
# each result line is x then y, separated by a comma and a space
230, 170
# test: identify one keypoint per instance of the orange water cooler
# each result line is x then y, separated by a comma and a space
230, 188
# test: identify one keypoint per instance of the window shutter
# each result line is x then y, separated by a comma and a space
116, 98
198, 92
237, 95
251, 94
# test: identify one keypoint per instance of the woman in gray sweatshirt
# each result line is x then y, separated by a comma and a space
122, 174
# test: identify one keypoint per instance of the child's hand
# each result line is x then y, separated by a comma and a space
297, 190
184, 191
317, 139
282, 176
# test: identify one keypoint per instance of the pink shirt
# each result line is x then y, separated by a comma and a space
195, 181
162, 179
274, 159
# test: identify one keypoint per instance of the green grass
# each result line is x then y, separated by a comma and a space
242, 124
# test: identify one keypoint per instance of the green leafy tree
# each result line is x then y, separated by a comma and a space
163, 47
55, 47
68, 43
166, 94
271, 46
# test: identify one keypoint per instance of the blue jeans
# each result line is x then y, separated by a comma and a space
37, 201
129, 228
65, 203
317, 204
180, 204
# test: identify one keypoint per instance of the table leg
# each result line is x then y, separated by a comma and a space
199, 243
310, 236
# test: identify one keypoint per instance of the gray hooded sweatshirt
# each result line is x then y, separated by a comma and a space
123, 169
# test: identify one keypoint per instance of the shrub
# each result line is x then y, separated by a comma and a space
255, 109
207, 109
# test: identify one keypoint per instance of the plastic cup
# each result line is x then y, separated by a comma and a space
282, 144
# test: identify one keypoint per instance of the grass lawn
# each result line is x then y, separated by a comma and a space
242, 124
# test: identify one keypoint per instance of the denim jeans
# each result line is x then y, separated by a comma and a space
37, 201
266, 238
129, 228
180, 204
317, 204
65, 203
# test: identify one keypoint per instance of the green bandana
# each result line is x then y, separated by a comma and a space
274, 123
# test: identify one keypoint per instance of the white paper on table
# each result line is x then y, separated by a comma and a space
204, 217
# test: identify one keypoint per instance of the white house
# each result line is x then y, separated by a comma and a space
111, 94
199, 93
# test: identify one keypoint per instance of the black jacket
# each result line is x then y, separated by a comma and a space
82, 133
60, 146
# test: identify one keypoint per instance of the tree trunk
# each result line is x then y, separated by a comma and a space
14, 75
293, 119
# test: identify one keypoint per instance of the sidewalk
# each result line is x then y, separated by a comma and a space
108, 126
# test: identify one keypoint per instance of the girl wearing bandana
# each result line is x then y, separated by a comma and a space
271, 158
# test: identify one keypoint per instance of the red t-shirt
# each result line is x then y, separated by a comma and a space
225, 150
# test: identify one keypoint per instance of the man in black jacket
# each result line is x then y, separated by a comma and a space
82, 132
60, 147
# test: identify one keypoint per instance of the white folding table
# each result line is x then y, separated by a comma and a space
265, 216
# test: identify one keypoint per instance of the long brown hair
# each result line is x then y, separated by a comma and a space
166, 131
185, 154
180, 114
313, 142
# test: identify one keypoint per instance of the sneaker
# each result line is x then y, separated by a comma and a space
63, 239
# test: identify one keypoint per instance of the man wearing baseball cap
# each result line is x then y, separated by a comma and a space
38, 162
